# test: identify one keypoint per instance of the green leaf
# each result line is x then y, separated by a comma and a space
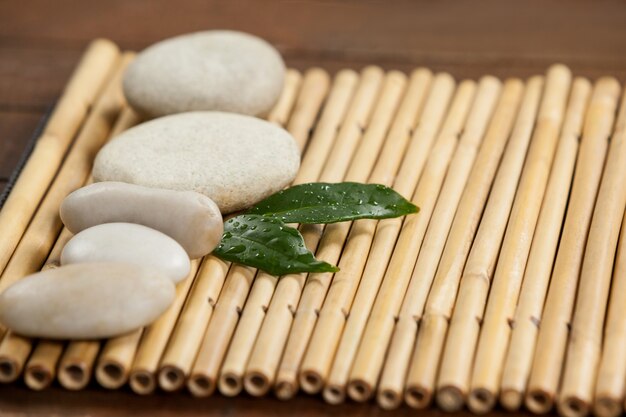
268, 244
315, 203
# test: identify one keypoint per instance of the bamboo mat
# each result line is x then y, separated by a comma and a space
508, 287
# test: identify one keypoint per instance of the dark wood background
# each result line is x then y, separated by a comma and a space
42, 40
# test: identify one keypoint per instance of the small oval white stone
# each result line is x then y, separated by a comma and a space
235, 160
130, 243
190, 218
86, 301
212, 70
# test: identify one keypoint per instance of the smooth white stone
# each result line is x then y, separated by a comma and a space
213, 70
86, 301
235, 160
190, 218
129, 243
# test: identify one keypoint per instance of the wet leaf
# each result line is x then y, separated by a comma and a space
268, 244
316, 203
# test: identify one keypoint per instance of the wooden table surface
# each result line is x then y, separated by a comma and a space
41, 41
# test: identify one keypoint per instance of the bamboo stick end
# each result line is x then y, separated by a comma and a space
171, 378
605, 406
397, 77
256, 383
73, 377
582, 83
285, 390
201, 385
9, 370
359, 390
514, 82
609, 85
373, 71
230, 384
129, 55
334, 394
573, 406
465, 84
481, 400
418, 397
319, 75
539, 401
450, 398
110, 374
294, 75
142, 382
311, 381
347, 75
389, 399
37, 378
446, 78
559, 70
421, 72
489, 81
511, 399
103, 44
536, 79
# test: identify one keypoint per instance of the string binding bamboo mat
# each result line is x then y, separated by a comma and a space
508, 287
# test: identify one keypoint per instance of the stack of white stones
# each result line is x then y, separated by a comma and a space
161, 187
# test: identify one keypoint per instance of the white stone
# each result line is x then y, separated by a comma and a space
86, 301
235, 160
190, 218
213, 70
128, 243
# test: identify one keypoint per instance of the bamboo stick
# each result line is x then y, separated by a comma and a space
476, 280
454, 372
116, 358
413, 167
190, 327
305, 111
231, 378
500, 305
46, 224
312, 163
117, 355
583, 351
543, 251
78, 360
283, 107
86, 83
237, 285
455, 156
142, 378
187, 335
14, 351
507, 121
76, 364
181, 352
317, 362
391, 387
553, 332
610, 387
334, 168
270, 343
286, 384
40, 369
